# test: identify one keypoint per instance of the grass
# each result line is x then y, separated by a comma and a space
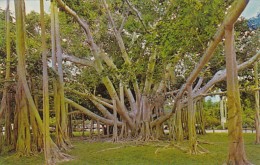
152, 153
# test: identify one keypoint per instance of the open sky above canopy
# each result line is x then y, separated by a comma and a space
252, 9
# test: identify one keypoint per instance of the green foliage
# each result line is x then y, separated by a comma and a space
248, 106
212, 114
189, 25
73, 40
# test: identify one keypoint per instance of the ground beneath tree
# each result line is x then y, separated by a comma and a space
151, 153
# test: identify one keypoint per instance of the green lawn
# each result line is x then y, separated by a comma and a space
102, 153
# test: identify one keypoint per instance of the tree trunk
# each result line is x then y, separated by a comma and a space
23, 144
179, 129
70, 128
159, 132
24, 98
6, 99
8, 128
172, 128
37, 137
46, 113
236, 150
59, 100
146, 129
115, 135
191, 123
91, 130
83, 125
1, 140
200, 117
184, 120
257, 108
98, 129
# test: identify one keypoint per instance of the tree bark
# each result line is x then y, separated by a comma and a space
59, 100
179, 129
115, 133
23, 144
236, 150
191, 123
45, 88
257, 107
91, 114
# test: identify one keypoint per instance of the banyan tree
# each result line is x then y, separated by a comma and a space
126, 62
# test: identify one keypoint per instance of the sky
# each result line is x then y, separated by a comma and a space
29, 5
251, 10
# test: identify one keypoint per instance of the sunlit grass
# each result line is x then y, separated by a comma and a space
132, 153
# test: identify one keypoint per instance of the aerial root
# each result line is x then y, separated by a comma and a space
203, 150
164, 147
242, 161
57, 155
108, 149
184, 149
170, 146
198, 149
203, 142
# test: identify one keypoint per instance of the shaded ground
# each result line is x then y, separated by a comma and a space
152, 153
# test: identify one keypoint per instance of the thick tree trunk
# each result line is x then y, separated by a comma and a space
59, 100
145, 126
236, 150
191, 123
23, 144
159, 131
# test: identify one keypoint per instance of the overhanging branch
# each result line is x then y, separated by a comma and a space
91, 114
78, 60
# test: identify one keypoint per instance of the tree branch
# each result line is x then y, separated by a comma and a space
137, 13
94, 48
91, 114
90, 97
117, 35
77, 60
221, 75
